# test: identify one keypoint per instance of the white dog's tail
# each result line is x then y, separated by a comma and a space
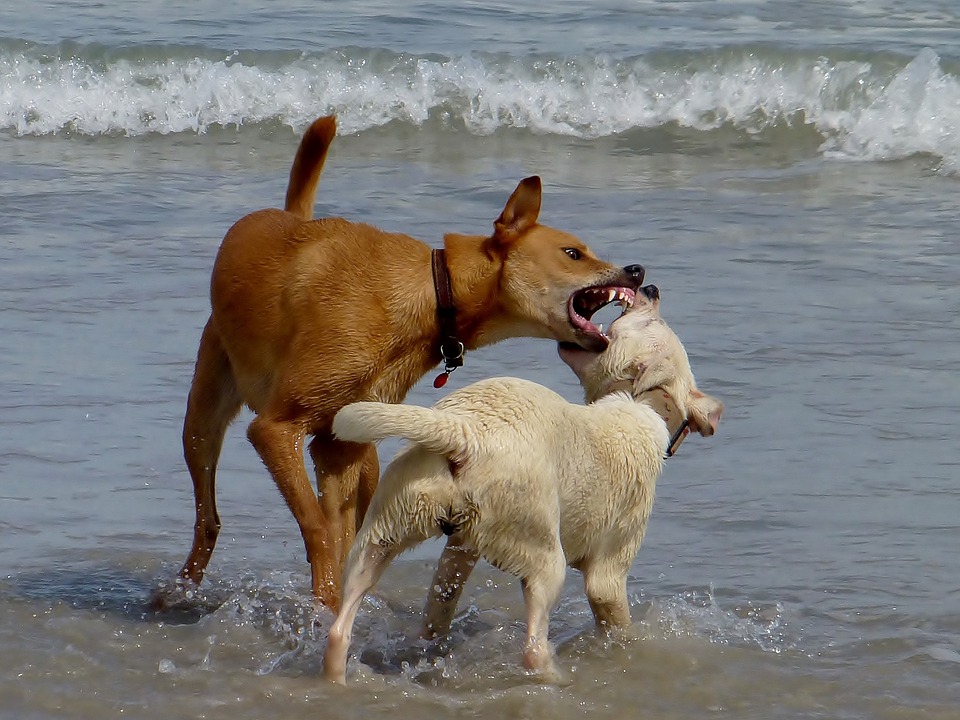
437, 431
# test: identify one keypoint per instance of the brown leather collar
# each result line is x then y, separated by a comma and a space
451, 349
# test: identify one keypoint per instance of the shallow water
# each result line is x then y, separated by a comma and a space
802, 563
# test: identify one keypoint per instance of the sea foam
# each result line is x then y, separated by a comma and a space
865, 110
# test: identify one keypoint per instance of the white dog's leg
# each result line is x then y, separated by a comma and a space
605, 583
362, 572
456, 564
540, 592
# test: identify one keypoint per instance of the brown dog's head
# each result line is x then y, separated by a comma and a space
643, 354
551, 283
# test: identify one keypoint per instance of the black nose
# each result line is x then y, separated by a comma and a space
651, 291
637, 271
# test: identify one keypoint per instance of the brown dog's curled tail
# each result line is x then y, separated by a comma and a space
307, 166
437, 431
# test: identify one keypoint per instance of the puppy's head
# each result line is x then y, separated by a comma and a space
644, 354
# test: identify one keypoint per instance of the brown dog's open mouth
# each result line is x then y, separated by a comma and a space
584, 303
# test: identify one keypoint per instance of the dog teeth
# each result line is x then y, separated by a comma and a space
600, 328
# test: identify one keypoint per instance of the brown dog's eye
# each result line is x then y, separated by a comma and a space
573, 253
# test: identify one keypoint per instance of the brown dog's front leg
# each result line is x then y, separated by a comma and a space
456, 564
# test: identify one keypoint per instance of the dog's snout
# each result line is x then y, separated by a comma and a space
636, 271
652, 292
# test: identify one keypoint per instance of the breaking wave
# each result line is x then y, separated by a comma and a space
864, 108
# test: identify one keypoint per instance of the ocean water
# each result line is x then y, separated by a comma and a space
787, 172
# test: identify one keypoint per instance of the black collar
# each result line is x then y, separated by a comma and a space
678, 426
451, 349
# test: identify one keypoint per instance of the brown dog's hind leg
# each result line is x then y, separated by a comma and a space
456, 564
343, 470
369, 479
213, 403
280, 446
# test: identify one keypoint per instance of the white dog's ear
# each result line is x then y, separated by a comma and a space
704, 413
649, 374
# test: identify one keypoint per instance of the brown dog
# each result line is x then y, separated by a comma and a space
310, 315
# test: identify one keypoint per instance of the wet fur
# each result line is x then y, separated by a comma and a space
310, 315
517, 475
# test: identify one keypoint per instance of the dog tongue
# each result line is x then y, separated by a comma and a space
591, 331
598, 298
587, 327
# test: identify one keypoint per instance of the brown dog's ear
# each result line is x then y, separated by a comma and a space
521, 211
704, 413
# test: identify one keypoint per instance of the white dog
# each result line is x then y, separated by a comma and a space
514, 473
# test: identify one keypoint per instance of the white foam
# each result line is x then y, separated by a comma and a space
862, 111
917, 112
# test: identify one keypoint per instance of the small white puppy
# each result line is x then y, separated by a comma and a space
514, 473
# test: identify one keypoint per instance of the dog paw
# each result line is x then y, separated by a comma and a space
177, 596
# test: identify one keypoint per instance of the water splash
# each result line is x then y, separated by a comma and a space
696, 613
